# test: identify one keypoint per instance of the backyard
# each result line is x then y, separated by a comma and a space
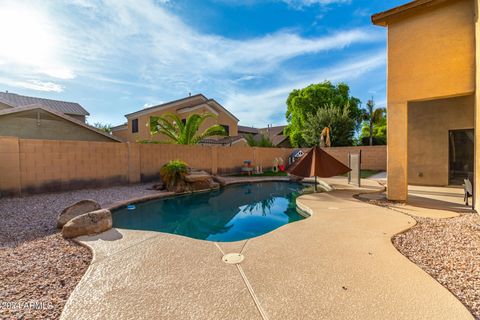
50, 277
270, 160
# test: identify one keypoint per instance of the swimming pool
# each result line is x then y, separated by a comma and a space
233, 213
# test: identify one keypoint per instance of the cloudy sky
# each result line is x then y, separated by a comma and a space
116, 57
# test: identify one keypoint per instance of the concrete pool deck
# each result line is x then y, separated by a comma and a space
337, 264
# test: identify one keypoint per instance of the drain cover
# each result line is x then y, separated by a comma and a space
233, 258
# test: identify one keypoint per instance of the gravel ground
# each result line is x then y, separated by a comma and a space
35, 216
38, 268
37, 277
448, 250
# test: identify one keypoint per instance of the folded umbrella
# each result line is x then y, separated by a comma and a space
317, 163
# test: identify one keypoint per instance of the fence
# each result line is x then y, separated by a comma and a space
35, 166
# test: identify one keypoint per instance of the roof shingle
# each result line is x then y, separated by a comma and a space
16, 100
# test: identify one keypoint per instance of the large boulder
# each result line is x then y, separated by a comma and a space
195, 176
88, 223
75, 210
200, 180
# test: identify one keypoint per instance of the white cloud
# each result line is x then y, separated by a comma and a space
33, 85
30, 40
140, 48
307, 3
165, 48
271, 102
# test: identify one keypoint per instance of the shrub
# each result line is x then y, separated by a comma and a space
172, 173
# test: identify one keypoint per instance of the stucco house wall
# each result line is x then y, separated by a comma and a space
143, 117
428, 125
431, 55
39, 124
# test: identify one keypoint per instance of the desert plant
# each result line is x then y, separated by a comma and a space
173, 173
184, 133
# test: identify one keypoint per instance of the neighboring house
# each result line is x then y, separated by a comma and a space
274, 134
137, 128
40, 122
120, 131
433, 94
72, 109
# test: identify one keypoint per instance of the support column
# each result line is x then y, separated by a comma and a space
397, 151
477, 109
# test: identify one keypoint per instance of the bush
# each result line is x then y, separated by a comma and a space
173, 173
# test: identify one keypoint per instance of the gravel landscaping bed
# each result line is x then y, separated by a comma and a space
448, 250
37, 277
38, 268
35, 216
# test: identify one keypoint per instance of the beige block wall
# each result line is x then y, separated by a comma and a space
373, 158
154, 156
431, 54
48, 165
36, 166
9, 166
428, 142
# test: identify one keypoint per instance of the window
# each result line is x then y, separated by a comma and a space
134, 125
227, 129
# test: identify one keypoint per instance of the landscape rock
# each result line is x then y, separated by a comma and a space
158, 186
195, 176
88, 223
76, 209
200, 180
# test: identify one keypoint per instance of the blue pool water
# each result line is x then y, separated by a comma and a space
230, 214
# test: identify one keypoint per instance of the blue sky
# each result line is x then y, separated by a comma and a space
116, 57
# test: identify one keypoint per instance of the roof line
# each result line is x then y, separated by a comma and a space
58, 114
225, 109
166, 104
380, 19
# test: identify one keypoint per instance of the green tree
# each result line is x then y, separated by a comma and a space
260, 141
184, 133
374, 128
338, 120
379, 132
372, 116
304, 103
105, 127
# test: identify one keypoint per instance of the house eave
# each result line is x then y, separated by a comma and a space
381, 18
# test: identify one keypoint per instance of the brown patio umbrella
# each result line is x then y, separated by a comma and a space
317, 163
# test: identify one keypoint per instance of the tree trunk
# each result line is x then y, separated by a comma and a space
371, 133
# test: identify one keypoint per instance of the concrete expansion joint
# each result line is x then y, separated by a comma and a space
240, 257
252, 293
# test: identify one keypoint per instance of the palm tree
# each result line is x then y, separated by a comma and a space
186, 132
373, 115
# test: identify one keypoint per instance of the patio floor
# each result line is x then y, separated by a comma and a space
337, 264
